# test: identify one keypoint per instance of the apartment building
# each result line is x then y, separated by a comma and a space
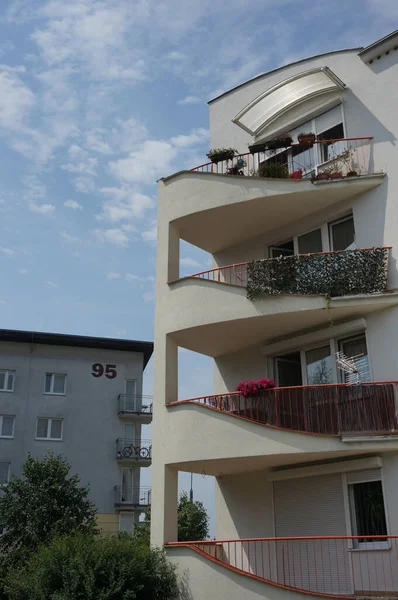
81, 397
302, 231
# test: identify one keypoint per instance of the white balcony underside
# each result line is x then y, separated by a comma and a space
225, 321
215, 212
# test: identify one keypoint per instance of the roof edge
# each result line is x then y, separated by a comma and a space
77, 341
296, 62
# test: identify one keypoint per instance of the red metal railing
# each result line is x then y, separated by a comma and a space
340, 566
344, 156
332, 409
237, 274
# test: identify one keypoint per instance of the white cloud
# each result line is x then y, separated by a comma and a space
148, 296
51, 284
190, 100
73, 205
112, 276
146, 164
69, 238
7, 251
112, 236
198, 136
123, 203
16, 99
23, 271
85, 185
80, 161
187, 261
150, 235
42, 209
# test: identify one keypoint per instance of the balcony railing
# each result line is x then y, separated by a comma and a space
134, 497
314, 565
339, 273
334, 409
134, 404
334, 159
138, 450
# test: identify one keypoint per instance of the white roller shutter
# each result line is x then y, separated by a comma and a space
360, 476
312, 506
329, 119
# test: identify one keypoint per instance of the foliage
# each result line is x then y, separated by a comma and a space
215, 151
193, 521
330, 274
247, 388
273, 170
94, 568
42, 504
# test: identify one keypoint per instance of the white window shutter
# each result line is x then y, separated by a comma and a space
329, 119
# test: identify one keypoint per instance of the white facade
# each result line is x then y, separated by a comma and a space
77, 396
316, 458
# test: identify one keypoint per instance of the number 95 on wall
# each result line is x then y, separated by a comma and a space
98, 370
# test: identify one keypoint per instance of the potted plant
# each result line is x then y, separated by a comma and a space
322, 176
306, 139
251, 388
283, 140
273, 170
297, 174
256, 148
352, 173
218, 154
335, 175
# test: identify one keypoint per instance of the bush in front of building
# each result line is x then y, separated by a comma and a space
94, 568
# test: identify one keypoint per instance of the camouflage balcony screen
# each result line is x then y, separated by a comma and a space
342, 273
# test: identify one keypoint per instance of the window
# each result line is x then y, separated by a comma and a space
367, 511
55, 383
7, 381
126, 522
286, 249
6, 426
356, 348
129, 431
4, 472
342, 234
131, 387
330, 149
49, 429
319, 366
288, 370
310, 242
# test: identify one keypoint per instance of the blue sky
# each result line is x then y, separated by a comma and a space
98, 99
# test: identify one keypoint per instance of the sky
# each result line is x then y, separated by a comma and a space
98, 100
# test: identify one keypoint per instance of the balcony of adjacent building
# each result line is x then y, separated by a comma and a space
247, 303
221, 203
132, 498
136, 407
134, 452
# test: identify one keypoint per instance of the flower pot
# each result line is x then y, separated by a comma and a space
336, 175
216, 158
279, 143
352, 174
297, 174
307, 140
256, 148
321, 176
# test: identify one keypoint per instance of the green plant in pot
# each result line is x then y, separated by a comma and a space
306, 139
350, 165
259, 147
218, 154
283, 140
274, 170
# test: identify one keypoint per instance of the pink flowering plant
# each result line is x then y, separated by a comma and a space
247, 388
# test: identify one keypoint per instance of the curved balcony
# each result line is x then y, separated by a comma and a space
291, 294
319, 566
216, 206
343, 410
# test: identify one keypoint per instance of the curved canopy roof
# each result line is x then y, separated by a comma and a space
282, 105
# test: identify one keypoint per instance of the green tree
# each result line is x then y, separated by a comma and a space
193, 521
45, 502
94, 568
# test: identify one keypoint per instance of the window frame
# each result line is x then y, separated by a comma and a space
7, 437
351, 338
355, 545
7, 372
49, 423
51, 392
2, 484
331, 224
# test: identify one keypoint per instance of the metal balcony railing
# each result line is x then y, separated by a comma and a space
334, 409
338, 273
137, 450
134, 404
334, 159
316, 565
132, 496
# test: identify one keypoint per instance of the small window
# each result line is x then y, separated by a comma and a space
368, 515
285, 249
4, 473
55, 383
6, 426
49, 429
131, 387
342, 234
126, 522
7, 381
310, 242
